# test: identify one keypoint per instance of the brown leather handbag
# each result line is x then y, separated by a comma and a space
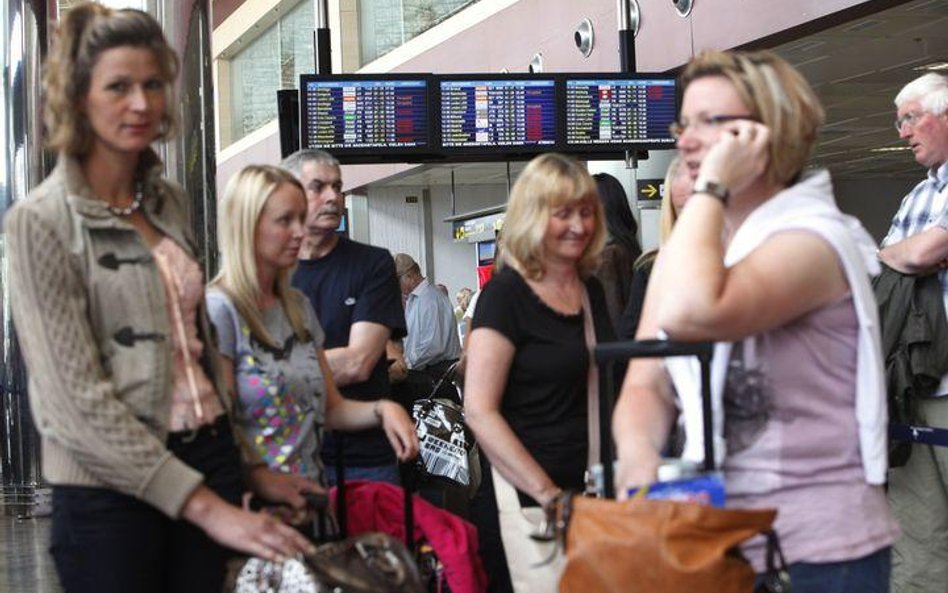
658, 546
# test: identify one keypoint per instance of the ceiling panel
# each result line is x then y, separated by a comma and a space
857, 68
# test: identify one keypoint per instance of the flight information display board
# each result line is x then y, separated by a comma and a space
376, 116
611, 113
497, 114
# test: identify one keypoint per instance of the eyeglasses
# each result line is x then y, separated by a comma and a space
911, 118
704, 122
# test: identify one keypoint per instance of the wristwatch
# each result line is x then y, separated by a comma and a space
712, 188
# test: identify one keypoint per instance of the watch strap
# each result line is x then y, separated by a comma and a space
712, 188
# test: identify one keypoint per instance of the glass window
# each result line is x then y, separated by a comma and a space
387, 24
272, 61
296, 45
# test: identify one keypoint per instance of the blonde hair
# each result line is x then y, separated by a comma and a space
667, 214
548, 182
244, 198
88, 30
463, 297
775, 94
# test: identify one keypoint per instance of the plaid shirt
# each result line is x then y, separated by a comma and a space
925, 207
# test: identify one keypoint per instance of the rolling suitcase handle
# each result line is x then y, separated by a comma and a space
616, 351
406, 473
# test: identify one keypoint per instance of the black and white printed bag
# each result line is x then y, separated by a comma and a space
448, 449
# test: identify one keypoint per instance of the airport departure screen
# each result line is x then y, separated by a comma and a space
365, 114
498, 113
619, 111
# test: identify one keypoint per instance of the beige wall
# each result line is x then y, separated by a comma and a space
477, 40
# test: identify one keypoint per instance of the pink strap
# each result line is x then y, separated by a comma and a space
592, 384
173, 291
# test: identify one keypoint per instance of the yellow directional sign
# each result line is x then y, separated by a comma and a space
649, 189
481, 228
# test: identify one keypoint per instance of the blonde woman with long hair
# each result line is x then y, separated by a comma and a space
269, 337
676, 193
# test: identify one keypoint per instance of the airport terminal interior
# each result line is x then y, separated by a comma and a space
442, 204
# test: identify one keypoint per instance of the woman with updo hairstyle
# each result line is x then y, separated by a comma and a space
763, 264
528, 364
146, 467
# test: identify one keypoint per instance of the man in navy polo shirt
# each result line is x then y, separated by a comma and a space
353, 289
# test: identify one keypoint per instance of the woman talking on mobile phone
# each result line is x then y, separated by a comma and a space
763, 263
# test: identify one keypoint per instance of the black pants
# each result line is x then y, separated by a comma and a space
106, 542
490, 545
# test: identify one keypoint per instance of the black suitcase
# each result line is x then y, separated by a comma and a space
606, 355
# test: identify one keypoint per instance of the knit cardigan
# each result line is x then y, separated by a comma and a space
89, 308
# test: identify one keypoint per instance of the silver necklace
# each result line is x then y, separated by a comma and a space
133, 207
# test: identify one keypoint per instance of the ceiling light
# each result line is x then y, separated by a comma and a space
933, 67
890, 149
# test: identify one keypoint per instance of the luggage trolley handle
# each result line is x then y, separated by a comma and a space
620, 351
446, 376
409, 485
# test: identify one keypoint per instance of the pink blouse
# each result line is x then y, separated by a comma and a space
194, 401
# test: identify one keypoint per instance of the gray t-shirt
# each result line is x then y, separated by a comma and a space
281, 395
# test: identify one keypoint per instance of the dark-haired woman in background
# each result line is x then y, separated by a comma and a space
622, 247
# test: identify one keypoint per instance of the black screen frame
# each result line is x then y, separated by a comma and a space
374, 154
503, 152
613, 150
288, 117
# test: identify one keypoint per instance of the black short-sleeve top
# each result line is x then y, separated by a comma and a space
544, 399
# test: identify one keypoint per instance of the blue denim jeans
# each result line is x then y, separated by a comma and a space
869, 574
380, 473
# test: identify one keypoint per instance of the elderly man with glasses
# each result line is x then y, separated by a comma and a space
917, 245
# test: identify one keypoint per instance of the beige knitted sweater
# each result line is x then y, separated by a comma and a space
89, 309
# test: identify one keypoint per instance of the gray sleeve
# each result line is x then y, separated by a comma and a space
312, 323
226, 322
